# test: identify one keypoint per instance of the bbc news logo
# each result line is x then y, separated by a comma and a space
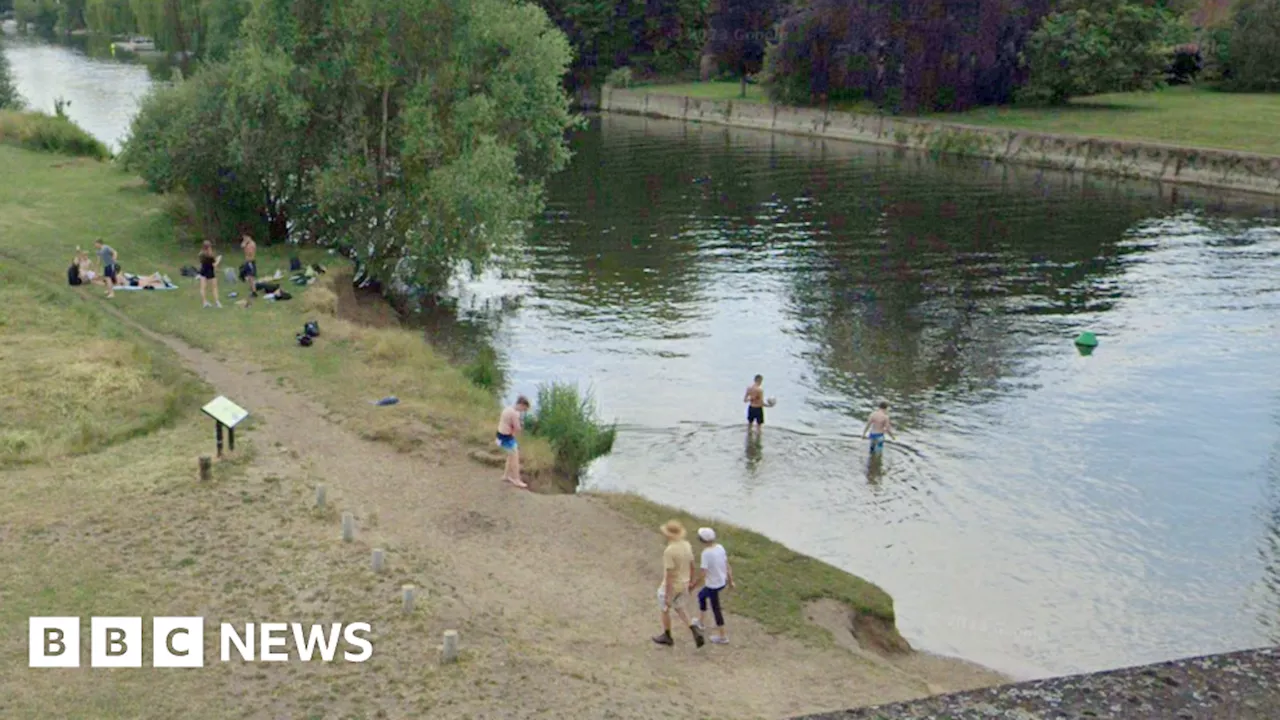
178, 642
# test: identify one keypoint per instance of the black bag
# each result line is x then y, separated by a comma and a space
282, 295
312, 328
268, 287
294, 264
188, 271
73, 275
304, 340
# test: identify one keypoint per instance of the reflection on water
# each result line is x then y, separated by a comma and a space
1044, 511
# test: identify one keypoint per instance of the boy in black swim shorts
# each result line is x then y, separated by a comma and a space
755, 403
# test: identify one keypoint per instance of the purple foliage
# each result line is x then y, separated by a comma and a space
910, 55
740, 30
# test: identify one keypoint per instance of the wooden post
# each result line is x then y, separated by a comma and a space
231, 439
348, 527
217, 432
319, 496
449, 653
206, 468
379, 558
408, 598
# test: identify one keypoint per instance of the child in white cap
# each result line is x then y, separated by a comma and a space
715, 575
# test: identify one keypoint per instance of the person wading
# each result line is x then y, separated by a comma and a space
677, 576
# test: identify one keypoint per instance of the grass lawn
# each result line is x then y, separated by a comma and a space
1191, 116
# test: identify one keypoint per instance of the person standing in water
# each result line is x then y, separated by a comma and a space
754, 398
209, 261
250, 269
879, 424
509, 426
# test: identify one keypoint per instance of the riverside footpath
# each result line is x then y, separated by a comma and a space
1231, 686
1219, 169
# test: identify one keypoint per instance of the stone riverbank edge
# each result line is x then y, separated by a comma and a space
1219, 169
1241, 685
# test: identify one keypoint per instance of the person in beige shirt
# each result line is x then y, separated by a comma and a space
677, 576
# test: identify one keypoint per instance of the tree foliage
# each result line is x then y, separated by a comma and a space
9, 97
415, 133
1251, 56
914, 55
652, 36
739, 31
1108, 46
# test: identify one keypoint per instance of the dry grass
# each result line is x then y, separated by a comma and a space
73, 383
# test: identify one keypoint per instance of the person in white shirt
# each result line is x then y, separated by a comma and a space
715, 576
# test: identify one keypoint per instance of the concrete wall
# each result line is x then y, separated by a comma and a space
1149, 161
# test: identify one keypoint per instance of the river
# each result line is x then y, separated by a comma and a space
1044, 512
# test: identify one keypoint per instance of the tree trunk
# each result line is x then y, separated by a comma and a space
176, 10
382, 143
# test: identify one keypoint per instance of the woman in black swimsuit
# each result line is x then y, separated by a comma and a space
209, 262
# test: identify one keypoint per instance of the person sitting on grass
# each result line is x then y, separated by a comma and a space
148, 282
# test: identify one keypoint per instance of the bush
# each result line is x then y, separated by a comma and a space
1087, 51
1253, 61
485, 371
46, 133
568, 420
620, 77
9, 97
1185, 64
914, 55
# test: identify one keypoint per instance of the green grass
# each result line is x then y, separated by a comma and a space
1192, 116
1188, 116
567, 418
75, 381
49, 207
47, 133
774, 582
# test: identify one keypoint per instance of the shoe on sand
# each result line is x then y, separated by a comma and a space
663, 639
719, 640
698, 639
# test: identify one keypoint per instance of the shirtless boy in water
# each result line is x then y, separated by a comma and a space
509, 426
879, 424
754, 398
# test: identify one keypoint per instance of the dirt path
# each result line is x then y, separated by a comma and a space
553, 595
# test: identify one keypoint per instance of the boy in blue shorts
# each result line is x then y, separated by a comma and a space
879, 424
509, 426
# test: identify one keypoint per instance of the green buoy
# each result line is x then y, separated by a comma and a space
1087, 339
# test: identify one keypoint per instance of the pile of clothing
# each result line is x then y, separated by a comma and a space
304, 275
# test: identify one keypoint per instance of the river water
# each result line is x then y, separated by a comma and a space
1043, 512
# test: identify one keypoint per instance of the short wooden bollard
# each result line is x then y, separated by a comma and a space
449, 653
348, 527
378, 559
319, 496
408, 598
206, 468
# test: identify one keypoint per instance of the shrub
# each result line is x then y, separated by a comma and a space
485, 371
1253, 61
1185, 64
567, 418
1086, 51
620, 77
9, 97
46, 133
915, 55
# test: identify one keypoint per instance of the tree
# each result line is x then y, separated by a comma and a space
1252, 59
654, 36
902, 54
9, 97
739, 32
1103, 47
415, 132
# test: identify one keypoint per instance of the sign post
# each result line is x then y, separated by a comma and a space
225, 414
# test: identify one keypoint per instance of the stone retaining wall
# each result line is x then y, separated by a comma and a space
1149, 161
1232, 686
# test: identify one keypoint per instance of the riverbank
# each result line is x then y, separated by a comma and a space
491, 562
1241, 685
1166, 163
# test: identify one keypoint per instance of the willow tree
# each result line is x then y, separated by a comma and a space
416, 133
